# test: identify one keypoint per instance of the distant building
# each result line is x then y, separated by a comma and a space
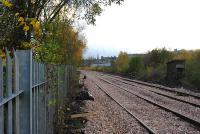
103, 62
94, 62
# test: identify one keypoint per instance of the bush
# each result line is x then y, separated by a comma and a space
192, 72
135, 65
153, 74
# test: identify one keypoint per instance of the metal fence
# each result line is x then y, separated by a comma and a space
30, 93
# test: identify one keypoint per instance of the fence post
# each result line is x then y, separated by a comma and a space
25, 83
16, 90
1, 98
9, 92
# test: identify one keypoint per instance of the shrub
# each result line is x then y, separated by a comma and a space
135, 65
192, 72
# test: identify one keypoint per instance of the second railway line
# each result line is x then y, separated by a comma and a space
190, 99
159, 120
178, 106
182, 92
158, 111
185, 111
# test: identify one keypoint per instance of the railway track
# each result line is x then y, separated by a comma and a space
157, 86
128, 111
184, 117
158, 92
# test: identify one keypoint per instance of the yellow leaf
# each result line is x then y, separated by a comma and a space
17, 14
22, 23
36, 28
32, 23
6, 3
21, 19
26, 28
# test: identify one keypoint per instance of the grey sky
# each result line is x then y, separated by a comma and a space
141, 25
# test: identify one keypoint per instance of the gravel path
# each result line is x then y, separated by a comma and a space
187, 109
110, 117
158, 119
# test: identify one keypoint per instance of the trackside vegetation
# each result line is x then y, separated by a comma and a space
48, 27
152, 66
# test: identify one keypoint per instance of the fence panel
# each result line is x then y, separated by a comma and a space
9, 97
32, 93
39, 98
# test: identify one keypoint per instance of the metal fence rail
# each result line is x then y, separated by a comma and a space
30, 93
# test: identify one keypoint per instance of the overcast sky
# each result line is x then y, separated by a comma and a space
141, 25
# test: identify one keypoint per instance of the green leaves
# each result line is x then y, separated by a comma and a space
61, 45
136, 64
193, 69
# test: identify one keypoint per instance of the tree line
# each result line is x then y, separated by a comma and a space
152, 66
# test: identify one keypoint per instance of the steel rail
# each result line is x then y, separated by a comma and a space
185, 117
162, 94
129, 112
157, 86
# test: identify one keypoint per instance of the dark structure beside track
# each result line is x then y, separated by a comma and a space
175, 71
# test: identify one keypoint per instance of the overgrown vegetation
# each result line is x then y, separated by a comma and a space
193, 68
121, 63
47, 26
62, 44
152, 66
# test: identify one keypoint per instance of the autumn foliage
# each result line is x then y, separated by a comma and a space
152, 66
46, 26
121, 63
62, 44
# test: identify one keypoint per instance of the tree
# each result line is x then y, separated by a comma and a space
22, 13
183, 55
136, 64
121, 62
62, 45
157, 56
